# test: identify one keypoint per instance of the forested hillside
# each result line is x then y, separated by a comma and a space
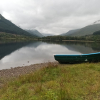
8, 27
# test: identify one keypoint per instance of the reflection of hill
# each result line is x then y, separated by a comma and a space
96, 46
35, 44
8, 48
87, 47
82, 47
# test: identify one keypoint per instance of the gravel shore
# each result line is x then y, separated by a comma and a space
7, 74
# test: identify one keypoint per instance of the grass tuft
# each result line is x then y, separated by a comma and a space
56, 82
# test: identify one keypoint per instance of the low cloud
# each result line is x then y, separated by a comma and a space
51, 16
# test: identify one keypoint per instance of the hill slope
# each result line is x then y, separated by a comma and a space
35, 33
70, 32
96, 33
8, 27
88, 30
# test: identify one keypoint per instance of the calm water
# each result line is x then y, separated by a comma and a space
21, 54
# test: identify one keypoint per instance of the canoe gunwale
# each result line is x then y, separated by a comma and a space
76, 54
65, 58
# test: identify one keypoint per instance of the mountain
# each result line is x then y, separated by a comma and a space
35, 33
70, 32
8, 27
87, 30
96, 33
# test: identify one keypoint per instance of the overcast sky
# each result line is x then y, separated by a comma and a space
51, 16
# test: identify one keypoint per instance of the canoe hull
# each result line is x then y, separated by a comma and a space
92, 57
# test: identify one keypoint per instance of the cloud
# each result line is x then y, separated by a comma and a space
51, 16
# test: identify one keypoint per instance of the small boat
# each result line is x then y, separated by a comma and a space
77, 58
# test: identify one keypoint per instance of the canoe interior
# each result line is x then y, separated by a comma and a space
92, 57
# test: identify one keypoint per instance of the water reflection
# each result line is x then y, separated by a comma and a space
21, 54
82, 47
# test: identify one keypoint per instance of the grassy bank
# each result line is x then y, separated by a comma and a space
56, 82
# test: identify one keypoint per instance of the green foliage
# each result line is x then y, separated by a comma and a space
70, 38
14, 37
96, 33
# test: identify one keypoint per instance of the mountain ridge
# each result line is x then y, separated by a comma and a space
87, 30
9, 27
70, 32
35, 33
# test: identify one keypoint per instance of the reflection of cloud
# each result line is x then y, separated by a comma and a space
42, 53
31, 54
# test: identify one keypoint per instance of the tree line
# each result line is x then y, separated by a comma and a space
62, 38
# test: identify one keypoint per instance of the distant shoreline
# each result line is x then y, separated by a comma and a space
78, 40
69, 40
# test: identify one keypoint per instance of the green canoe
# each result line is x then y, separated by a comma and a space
77, 58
